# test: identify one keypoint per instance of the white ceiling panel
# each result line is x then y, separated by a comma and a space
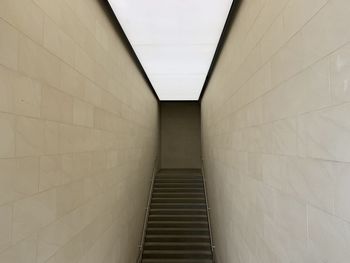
178, 87
174, 40
177, 59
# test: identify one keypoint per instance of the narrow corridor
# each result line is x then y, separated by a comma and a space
97, 97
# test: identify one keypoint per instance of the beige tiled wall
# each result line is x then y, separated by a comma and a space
78, 135
276, 134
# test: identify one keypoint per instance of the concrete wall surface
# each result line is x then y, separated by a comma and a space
180, 135
276, 134
78, 135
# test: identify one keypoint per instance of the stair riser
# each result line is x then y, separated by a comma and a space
178, 206
178, 200
178, 239
178, 190
177, 232
178, 219
177, 212
177, 195
177, 225
176, 247
177, 256
177, 261
173, 185
179, 180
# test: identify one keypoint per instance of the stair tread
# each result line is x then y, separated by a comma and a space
178, 203
180, 222
179, 191
175, 228
179, 198
200, 216
177, 224
179, 218
177, 260
208, 252
184, 210
183, 236
178, 243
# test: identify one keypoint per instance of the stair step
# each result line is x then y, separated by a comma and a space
179, 206
175, 254
177, 246
178, 190
177, 231
177, 261
178, 194
178, 224
179, 175
186, 218
178, 180
179, 171
169, 211
178, 185
178, 200
177, 238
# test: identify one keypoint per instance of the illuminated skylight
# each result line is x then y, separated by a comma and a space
175, 41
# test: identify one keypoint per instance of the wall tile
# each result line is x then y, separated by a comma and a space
27, 95
22, 252
50, 172
84, 64
29, 136
310, 180
6, 89
56, 105
83, 113
309, 90
58, 42
30, 214
329, 236
71, 81
46, 67
52, 138
7, 135
298, 13
324, 134
69, 197
340, 75
8, 45
341, 174
26, 179
5, 226
322, 38
19, 178
25, 16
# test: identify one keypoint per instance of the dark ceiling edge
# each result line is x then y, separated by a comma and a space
113, 18
228, 24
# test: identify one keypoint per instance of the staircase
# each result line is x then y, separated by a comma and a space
177, 228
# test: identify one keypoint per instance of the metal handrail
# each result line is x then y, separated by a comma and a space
212, 246
141, 245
